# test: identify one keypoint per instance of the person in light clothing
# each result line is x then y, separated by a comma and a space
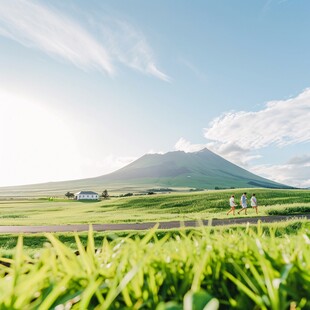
243, 204
232, 205
254, 203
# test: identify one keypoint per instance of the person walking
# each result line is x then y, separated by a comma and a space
254, 203
243, 203
232, 205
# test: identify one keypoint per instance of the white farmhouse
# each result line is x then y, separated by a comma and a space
86, 195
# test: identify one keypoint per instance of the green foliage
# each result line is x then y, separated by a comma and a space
69, 195
160, 190
105, 194
193, 271
126, 195
290, 210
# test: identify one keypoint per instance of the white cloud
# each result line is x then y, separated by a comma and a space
150, 152
34, 25
240, 136
300, 160
37, 26
129, 46
233, 152
295, 172
186, 146
229, 151
279, 123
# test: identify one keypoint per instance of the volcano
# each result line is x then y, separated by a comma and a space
177, 170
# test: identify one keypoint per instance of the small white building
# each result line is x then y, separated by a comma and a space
86, 195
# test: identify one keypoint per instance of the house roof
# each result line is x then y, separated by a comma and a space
86, 193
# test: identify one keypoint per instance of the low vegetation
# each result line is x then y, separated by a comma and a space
32, 243
151, 208
236, 268
290, 210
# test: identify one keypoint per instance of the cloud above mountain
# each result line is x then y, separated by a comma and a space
186, 146
279, 123
296, 173
241, 136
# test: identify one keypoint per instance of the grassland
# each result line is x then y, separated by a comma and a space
264, 266
222, 268
32, 243
159, 207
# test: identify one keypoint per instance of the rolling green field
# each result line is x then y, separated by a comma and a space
263, 266
159, 207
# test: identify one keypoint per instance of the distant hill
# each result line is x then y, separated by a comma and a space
203, 169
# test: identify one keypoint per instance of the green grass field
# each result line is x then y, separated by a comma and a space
159, 207
204, 268
264, 266
35, 242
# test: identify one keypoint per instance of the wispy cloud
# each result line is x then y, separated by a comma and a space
272, 4
94, 45
303, 160
35, 25
279, 123
129, 46
194, 69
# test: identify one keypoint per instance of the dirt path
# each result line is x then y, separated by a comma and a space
148, 225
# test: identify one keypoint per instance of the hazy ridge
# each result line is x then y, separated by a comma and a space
176, 170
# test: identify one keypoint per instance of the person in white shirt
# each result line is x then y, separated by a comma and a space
232, 205
254, 203
243, 204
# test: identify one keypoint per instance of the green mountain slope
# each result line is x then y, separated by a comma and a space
202, 169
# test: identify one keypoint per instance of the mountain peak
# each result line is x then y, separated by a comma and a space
201, 169
178, 169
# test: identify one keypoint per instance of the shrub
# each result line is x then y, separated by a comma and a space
289, 211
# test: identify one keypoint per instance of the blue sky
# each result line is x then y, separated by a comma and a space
88, 86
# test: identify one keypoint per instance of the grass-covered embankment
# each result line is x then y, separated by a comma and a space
240, 269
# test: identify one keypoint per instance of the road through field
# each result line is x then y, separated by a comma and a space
148, 225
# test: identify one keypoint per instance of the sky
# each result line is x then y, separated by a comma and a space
86, 87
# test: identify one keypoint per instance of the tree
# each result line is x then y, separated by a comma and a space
105, 194
69, 195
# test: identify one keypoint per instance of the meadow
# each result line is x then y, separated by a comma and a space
149, 208
32, 243
201, 269
263, 266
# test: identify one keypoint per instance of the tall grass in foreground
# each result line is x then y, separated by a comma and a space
236, 269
